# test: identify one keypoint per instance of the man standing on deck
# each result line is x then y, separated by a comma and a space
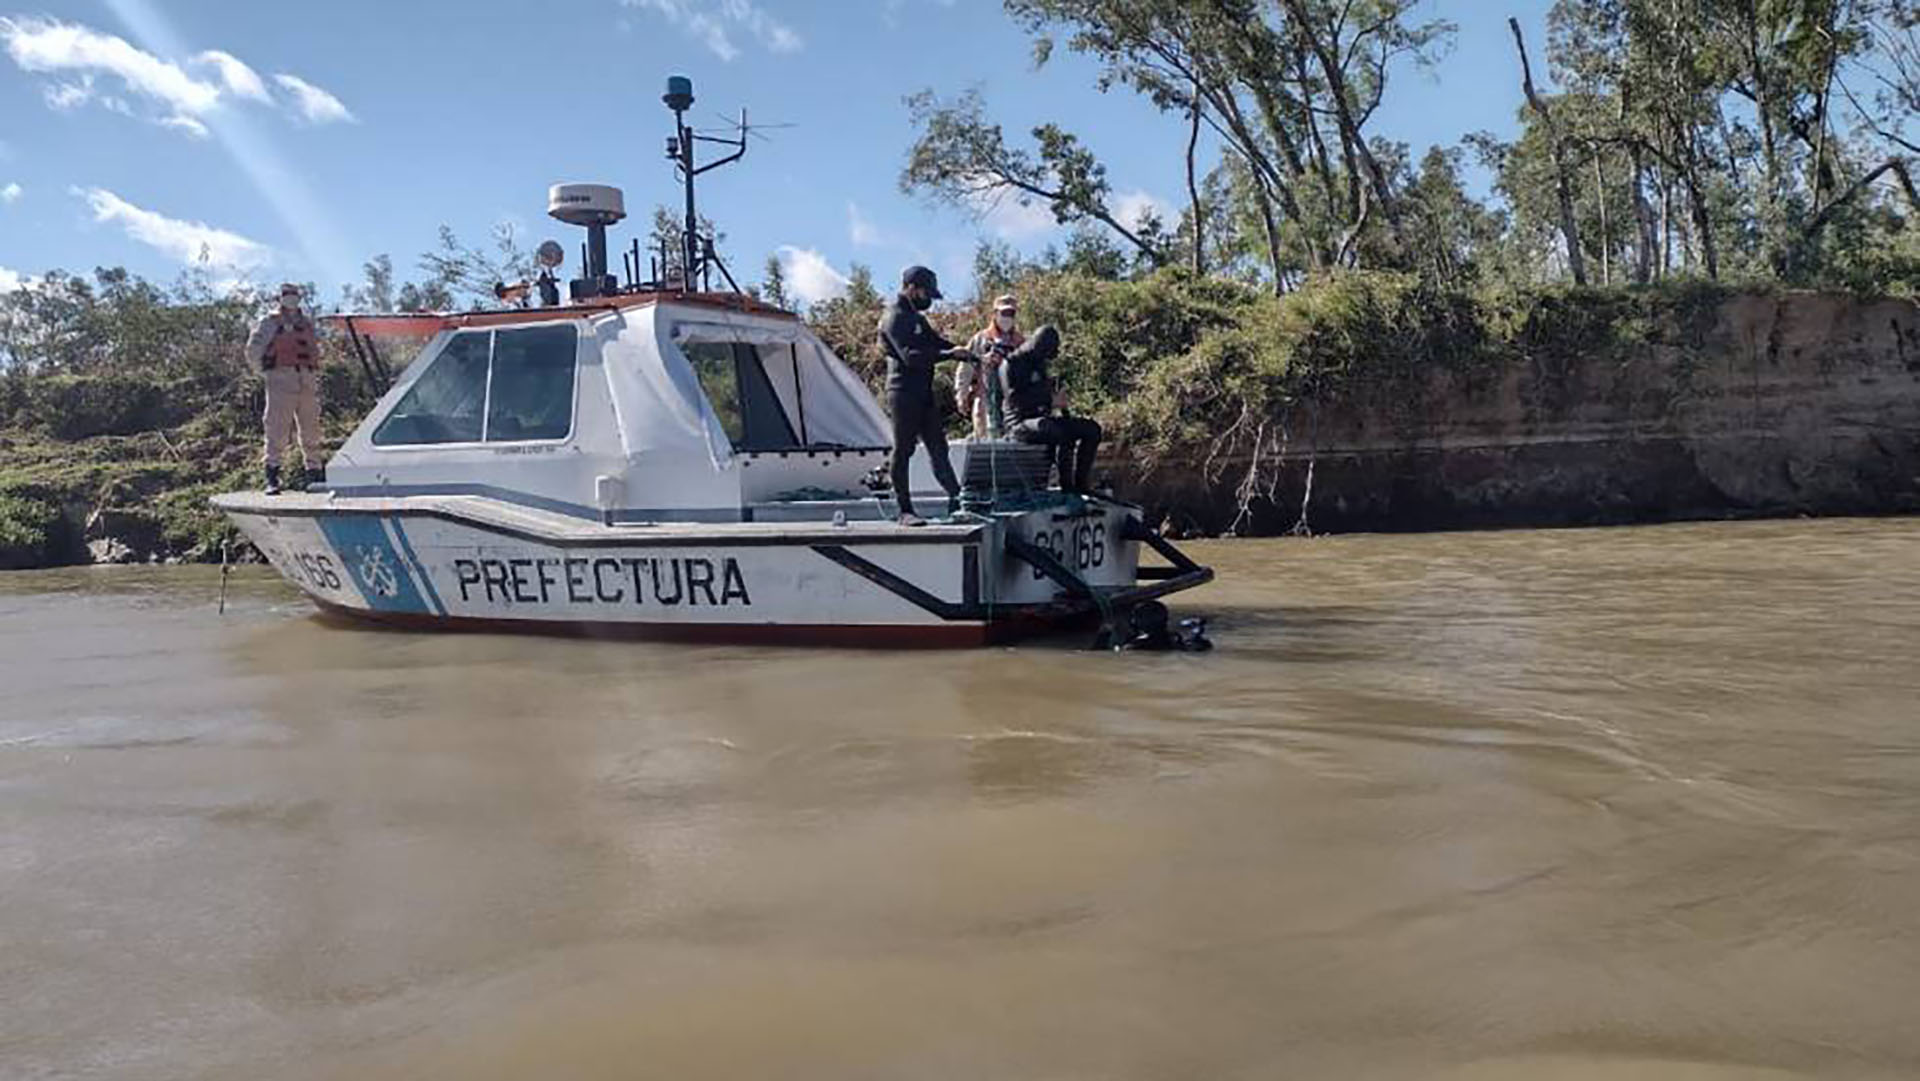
284, 347
913, 347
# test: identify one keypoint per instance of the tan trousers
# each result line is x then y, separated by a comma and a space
293, 399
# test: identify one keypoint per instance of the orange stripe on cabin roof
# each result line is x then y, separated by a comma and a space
427, 324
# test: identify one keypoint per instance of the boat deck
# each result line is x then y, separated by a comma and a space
561, 528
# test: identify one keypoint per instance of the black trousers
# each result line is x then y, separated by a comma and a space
1075, 441
916, 420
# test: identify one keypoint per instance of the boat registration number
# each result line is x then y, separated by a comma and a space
1081, 547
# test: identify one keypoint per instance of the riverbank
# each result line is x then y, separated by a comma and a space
1769, 405
1366, 402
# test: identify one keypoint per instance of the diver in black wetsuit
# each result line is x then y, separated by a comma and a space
913, 347
1029, 401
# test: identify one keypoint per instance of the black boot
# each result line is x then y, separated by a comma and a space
273, 480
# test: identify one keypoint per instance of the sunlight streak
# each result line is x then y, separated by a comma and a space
285, 190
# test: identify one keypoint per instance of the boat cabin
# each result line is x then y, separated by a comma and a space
644, 408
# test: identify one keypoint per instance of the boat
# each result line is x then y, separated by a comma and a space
658, 458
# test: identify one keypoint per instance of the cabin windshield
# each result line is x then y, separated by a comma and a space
510, 385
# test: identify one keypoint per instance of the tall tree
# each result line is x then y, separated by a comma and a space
1562, 174
962, 158
773, 283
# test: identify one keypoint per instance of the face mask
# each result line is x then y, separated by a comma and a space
921, 302
1005, 323
287, 304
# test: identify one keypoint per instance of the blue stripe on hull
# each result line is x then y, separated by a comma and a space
383, 577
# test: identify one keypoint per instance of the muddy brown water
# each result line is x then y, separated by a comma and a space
1640, 803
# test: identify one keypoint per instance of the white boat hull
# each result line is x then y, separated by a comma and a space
470, 562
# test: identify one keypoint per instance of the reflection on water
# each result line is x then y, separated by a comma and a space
1568, 805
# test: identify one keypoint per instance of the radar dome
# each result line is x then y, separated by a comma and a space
586, 204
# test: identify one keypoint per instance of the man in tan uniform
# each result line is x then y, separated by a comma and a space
284, 346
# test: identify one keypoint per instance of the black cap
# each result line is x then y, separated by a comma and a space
919, 275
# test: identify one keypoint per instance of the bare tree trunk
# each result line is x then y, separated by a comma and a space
1606, 231
1820, 117
1350, 134
1643, 217
1702, 214
1266, 176
1193, 189
1569, 227
1666, 223
1273, 236
1290, 154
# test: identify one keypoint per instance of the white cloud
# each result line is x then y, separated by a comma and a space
12, 193
45, 45
713, 22
64, 96
10, 280
240, 80
810, 278
186, 241
315, 104
1132, 208
1012, 216
863, 232
77, 57
185, 123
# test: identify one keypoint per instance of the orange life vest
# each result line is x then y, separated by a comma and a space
293, 344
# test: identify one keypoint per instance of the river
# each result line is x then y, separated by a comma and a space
1635, 803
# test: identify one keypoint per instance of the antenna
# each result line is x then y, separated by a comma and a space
679, 98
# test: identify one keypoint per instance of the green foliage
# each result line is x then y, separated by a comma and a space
123, 405
1191, 369
103, 403
29, 531
773, 286
962, 158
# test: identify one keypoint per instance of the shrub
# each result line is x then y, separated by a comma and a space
116, 403
30, 531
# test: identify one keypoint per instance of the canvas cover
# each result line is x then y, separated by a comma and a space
662, 409
817, 389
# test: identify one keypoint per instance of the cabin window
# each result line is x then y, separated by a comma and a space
448, 403
741, 395
532, 393
489, 386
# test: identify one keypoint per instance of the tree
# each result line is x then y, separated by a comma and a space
1557, 144
1449, 234
996, 267
375, 293
1289, 86
860, 288
457, 273
849, 323
962, 159
666, 245
1088, 254
773, 283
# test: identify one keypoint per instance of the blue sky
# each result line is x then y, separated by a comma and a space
295, 141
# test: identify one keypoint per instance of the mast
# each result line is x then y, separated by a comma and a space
679, 97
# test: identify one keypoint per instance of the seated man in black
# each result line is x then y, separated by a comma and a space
1028, 401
